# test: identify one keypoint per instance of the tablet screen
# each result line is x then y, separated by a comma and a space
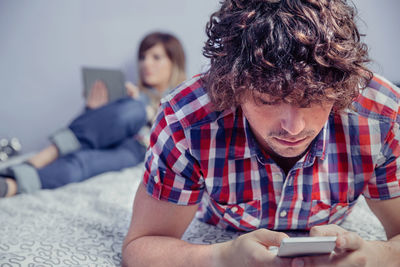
113, 78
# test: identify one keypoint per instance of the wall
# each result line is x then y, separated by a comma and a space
44, 43
380, 21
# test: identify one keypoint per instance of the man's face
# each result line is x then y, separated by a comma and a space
283, 129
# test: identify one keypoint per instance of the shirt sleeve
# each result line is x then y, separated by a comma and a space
171, 173
385, 183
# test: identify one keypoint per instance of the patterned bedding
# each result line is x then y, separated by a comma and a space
84, 224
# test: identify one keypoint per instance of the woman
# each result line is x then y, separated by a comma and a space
107, 136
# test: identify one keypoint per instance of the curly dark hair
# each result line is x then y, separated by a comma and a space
296, 51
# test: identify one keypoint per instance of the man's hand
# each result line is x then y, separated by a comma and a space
251, 250
351, 250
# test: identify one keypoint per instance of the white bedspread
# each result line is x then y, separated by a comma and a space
84, 224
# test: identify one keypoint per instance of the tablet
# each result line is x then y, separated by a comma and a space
113, 78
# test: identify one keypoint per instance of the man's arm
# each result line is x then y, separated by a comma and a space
388, 212
153, 239
352, 250
154, 233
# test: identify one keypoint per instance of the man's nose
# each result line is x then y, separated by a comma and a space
292, 120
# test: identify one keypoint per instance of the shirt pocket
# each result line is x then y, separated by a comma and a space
242, 216
325, 212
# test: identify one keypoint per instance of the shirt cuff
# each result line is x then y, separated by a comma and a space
179, 196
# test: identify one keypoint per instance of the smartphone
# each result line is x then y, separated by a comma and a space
306, 246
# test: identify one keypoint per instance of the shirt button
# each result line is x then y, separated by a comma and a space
339, 207
283, 213
234, 209
156, 179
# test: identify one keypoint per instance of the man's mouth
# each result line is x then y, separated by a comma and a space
290, 142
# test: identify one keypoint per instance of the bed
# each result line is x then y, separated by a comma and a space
84, 224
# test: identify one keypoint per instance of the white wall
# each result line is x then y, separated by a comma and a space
380, 21
44, 43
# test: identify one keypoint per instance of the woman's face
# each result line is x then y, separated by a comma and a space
155, 68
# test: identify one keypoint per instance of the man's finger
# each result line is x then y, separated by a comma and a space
327, 230
268, 238
349, 241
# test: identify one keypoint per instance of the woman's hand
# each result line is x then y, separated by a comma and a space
132, 90
98, 95
251, 250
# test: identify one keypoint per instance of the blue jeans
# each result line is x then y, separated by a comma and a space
106, 143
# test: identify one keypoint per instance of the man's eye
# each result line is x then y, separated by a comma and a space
267, 103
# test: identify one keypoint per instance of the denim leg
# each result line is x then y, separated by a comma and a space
83, 164
109, 125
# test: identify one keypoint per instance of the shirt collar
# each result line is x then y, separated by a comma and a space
321, 141
242, 143
318, 147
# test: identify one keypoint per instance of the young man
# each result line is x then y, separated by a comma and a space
284, 132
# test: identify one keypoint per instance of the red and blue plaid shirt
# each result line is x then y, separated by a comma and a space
197, 155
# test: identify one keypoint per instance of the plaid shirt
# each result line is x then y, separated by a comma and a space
199, 155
